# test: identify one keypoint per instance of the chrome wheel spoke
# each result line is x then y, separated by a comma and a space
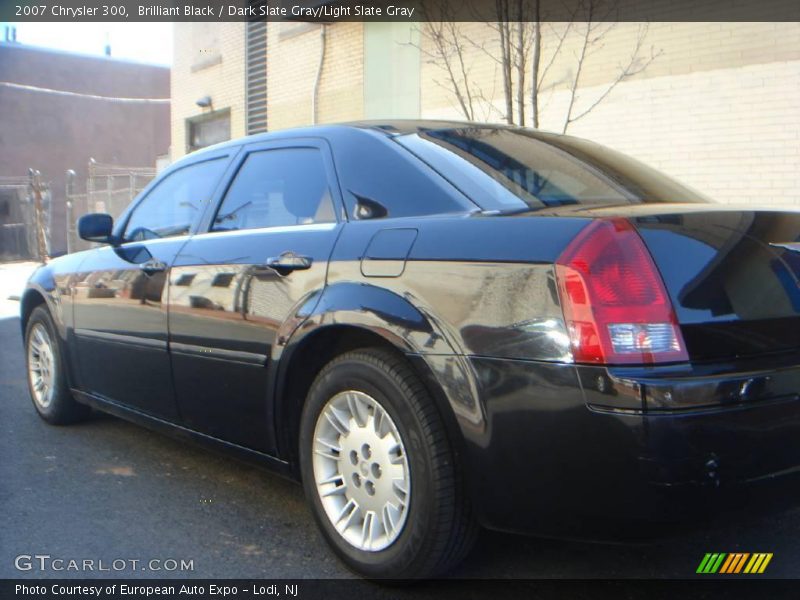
396, 455
347, 513
337, 489
331, 446
398, 487
358, 411
391, 514
327, 453
361, 470
337, 479
368, 530
336, 420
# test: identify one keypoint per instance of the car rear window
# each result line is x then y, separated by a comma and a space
509, 169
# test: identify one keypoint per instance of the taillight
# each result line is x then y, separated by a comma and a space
614, 301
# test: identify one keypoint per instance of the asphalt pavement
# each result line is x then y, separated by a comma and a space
109, 490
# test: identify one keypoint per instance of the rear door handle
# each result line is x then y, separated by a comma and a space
153, 266
288, 262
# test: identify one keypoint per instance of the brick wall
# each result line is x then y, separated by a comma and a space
53, 133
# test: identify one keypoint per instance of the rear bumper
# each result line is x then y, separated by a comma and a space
564, 446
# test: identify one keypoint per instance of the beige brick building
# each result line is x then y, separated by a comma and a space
718, 108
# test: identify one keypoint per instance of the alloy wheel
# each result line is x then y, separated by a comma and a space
361, 470
41, 365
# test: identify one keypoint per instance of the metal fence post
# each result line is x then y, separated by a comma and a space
70, 224
35, 186
90, 185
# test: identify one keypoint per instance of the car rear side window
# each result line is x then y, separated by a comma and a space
503, 168
276, 188
176, 202
390, 182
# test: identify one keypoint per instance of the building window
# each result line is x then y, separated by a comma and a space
208, 129
186, 279
222, 280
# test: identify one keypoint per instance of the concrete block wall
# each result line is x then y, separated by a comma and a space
718, 108
209, 60
293, 51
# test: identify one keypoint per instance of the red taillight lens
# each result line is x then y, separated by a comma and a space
614, 301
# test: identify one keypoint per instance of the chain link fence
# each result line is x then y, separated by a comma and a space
106, 189
25, 217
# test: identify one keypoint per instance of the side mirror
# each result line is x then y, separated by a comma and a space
96, 227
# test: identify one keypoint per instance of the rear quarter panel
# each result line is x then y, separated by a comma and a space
467, 286
484, 284
468, 291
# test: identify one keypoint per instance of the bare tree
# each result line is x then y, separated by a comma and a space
591, 43
447, 53
518, 44
514, 33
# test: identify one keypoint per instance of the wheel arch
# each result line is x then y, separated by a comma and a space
306, 356
39, 290
31, 298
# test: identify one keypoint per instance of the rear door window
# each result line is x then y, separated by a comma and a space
277, 188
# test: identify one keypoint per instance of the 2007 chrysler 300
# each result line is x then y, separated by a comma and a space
436, 326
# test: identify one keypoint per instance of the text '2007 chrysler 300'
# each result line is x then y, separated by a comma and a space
436, 326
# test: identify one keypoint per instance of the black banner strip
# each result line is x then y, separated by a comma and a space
356, 589
334, 11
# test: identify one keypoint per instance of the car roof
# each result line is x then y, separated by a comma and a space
389, 127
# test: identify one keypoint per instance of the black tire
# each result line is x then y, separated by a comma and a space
439, 529
61, 409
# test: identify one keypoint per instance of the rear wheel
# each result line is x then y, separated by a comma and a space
379, 472
47, 380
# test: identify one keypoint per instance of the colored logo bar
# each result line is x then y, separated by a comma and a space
734, 563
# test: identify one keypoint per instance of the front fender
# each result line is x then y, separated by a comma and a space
41, 286
53, 283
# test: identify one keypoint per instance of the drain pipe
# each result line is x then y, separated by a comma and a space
323, 29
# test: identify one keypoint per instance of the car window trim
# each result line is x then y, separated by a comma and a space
276, 229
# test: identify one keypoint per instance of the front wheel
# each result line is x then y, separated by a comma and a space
379, 472
47, 381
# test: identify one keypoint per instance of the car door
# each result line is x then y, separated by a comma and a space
264, 254
120, 295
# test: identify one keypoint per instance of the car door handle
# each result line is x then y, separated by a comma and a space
153, 266
288, 262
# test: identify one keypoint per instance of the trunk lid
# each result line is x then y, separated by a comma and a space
733, 274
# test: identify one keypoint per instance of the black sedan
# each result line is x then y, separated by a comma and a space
437, 326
